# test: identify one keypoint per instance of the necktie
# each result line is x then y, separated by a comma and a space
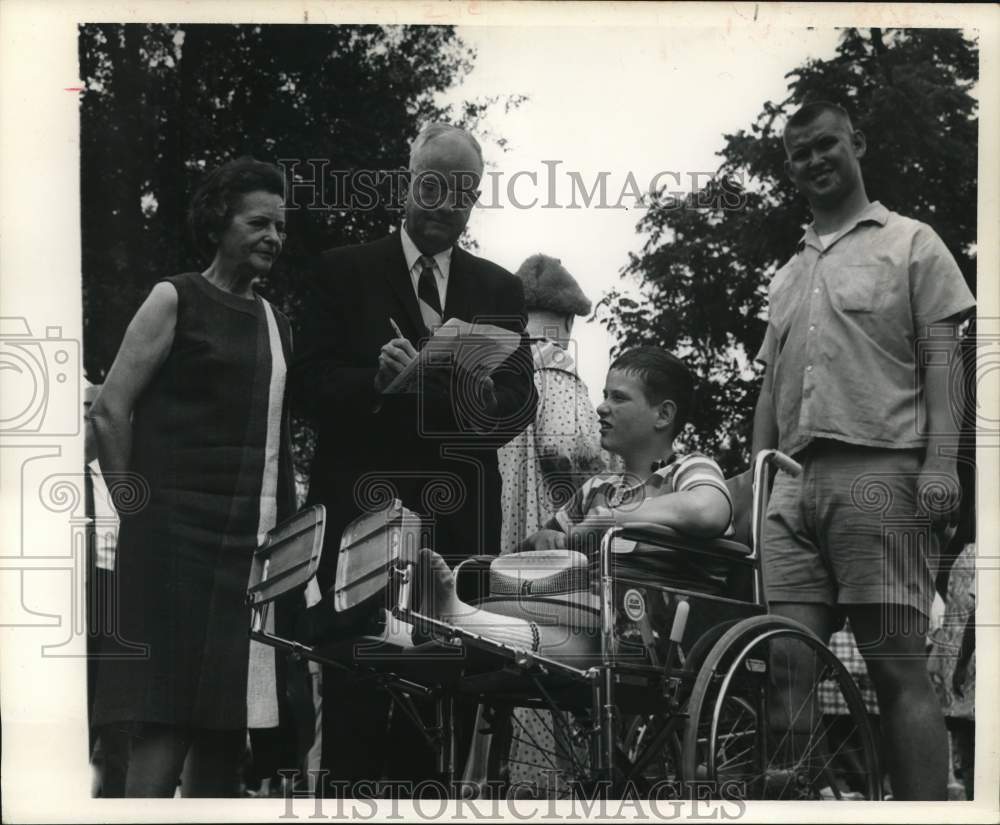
427, 294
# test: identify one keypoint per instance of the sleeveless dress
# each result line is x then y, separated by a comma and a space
211, 441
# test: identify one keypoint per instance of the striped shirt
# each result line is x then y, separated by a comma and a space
621, 492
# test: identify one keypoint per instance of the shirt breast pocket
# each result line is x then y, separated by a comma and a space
859, 288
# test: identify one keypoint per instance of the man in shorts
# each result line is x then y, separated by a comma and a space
860, 356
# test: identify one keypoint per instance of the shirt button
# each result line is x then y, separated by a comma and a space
809, 368
812, 327
816, 291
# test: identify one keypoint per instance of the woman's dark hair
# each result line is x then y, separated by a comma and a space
664, 377
219, 195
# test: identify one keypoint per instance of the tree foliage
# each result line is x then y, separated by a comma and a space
706, 261
162, 104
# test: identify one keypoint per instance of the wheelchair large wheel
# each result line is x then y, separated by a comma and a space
756, 727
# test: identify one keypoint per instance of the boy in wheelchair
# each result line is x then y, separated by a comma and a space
668, 655
648, 396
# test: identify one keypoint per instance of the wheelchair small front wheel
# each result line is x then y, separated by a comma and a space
774, 714
543, 754
650, 755
536, 753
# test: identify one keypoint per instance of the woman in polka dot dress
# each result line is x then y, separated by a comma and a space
544, 465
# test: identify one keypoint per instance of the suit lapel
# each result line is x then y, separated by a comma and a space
398, 276
458, 301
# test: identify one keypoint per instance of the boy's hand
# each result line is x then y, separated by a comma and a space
545, 540
586, 536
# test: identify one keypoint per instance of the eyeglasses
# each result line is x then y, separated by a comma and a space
432, 191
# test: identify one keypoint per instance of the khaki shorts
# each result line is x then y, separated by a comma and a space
848, 530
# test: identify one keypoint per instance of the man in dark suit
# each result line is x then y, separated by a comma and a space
373, 307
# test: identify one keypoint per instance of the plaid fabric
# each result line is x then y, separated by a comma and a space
830, 698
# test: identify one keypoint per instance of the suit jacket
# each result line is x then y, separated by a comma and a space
419, 447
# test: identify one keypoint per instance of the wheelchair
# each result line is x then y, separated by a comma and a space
673, 680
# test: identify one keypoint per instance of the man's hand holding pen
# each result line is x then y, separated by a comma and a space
446, 380
393, 358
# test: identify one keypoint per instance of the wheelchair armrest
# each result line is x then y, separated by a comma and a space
779, 460
664, 555
658, 536
472, 578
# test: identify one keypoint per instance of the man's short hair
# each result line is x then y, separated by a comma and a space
808, 112
435, 130
664, 377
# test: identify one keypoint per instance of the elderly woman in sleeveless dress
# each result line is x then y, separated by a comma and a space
193, 408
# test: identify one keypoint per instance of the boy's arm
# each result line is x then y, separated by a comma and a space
938, 489
940, 300
765, 425
698, 505
702, 512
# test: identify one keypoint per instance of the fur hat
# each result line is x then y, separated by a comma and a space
548, 286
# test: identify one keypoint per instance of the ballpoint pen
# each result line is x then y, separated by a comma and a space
399, 334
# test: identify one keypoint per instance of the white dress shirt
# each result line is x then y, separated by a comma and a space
442, 265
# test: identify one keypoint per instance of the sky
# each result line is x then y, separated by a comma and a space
643, 101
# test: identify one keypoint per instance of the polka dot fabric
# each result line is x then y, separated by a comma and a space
543, 466
541, 469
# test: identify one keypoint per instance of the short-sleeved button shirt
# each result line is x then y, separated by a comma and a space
842, 339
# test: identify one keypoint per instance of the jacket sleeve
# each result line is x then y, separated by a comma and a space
322, 381
513, 382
